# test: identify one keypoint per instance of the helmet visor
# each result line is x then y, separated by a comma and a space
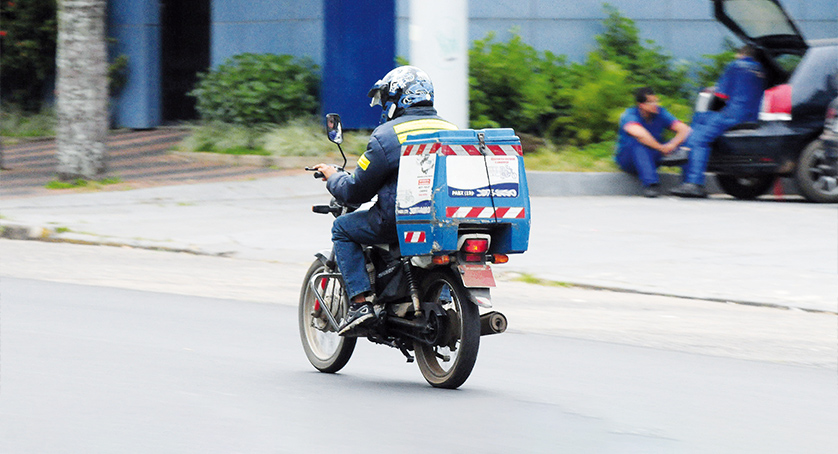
375, 94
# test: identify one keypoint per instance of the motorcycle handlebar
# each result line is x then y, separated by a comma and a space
317, 173
324, 209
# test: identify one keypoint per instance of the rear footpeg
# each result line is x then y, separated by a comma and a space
492, 323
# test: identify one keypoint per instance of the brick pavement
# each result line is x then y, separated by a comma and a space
138, 158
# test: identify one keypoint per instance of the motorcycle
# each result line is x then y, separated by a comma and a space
427, 305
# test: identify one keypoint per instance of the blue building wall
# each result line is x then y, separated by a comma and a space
357, 54
293, 27
136, 29
686, 28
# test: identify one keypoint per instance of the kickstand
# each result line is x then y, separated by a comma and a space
406, 354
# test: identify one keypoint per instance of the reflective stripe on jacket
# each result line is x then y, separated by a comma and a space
378, 168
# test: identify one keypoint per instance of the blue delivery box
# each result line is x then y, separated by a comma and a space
462, 180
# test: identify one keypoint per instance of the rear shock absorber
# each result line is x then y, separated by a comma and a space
411, 282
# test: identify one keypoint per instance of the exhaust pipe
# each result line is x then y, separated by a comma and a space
492, 323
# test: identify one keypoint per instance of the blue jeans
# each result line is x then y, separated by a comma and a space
349, 232
638, 159
707, 127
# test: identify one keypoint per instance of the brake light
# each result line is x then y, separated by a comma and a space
776, 104
477, 246
473, 257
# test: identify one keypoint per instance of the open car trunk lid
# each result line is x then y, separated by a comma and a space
765, 25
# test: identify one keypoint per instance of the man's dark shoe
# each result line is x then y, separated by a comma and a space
651, 191
357, 317
690, 190
677, 157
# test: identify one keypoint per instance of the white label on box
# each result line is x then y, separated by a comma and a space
416, 184
469, 177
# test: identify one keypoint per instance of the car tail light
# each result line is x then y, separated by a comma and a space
831, 122
476, 246
776, 104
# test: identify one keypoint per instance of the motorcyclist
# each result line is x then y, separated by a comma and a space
406, 96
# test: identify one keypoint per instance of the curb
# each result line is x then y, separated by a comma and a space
541, 183
34, 233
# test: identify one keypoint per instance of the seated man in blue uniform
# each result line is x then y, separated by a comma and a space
640, 148
741, 87
407, 96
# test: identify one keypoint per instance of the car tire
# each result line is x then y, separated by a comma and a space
816, 174
746, 187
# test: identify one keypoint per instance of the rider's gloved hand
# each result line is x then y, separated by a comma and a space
327, 170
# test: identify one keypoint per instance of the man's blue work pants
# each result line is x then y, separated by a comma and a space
706, 128
638, 159
349, 232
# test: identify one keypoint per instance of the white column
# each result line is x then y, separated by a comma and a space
439, 46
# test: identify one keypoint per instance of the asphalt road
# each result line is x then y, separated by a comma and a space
104, 367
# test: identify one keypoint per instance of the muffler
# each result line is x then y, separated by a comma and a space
492, 323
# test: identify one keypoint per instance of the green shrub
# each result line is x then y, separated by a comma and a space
303, 136
647, 65
218, 137
28, 33
15, 122
250, 89
708, 73
512, 84
597, 102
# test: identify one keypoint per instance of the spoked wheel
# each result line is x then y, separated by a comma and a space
326, 351
449, 365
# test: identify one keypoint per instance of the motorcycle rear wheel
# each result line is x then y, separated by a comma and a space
449, 366
326, 351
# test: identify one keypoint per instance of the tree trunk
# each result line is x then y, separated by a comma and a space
82, 86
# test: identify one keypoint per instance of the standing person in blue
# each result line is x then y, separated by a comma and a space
407, 96
741, 87
640, 149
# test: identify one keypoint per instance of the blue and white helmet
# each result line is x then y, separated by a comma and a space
401, 88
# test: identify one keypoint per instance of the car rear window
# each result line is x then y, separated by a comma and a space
759, 18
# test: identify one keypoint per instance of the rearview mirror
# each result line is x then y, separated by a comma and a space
333, 128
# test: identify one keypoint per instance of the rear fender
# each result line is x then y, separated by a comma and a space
480, 297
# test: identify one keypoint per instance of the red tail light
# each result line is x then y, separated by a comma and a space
776, 103
476, 246
474, 257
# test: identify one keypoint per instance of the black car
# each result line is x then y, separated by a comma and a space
821, 169
801, 81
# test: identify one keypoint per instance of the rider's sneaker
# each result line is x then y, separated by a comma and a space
358, 316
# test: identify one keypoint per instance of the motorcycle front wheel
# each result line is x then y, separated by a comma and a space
449, 365
326, 351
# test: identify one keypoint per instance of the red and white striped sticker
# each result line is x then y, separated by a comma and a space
423, 148
461, 150
485, 212
414, 237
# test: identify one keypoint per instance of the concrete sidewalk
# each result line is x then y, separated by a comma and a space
769, 252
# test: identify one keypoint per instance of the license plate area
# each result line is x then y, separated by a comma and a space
477, 276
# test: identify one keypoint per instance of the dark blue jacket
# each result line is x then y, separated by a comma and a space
378, 167
742, 85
